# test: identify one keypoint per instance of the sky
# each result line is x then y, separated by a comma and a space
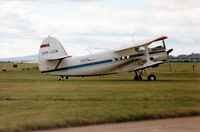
83, 25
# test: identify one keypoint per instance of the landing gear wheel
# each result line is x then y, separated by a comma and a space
151, 77
138, 78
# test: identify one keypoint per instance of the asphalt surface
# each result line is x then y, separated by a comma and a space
187, 124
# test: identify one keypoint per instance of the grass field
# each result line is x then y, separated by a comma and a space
31, 101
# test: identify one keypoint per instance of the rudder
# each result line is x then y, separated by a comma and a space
50, 48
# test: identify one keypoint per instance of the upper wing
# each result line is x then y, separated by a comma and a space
139, 45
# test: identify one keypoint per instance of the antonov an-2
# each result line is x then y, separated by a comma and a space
54, 60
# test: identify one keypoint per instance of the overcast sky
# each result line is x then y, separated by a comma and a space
79, 24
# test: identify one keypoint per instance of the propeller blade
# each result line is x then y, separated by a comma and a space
164, 43
170, 68
169, 51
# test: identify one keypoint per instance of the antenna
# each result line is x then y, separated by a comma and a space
99, 48
89, 51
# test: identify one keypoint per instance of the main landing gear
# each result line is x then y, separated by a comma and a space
138, 75
62, 78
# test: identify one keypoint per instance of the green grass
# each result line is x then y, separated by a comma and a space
31, 101
21, 66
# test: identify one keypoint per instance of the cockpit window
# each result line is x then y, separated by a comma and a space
140, 49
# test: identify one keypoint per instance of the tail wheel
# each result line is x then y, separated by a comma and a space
61, 79
151, 77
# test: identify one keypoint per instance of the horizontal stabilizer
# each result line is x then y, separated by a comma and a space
50, 49
58, 58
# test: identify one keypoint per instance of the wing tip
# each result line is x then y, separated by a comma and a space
158, 39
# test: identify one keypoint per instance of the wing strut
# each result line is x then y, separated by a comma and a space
60, 60
147, 54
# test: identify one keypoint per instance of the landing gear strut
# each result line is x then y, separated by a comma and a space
151, 77
62, 78
138, 75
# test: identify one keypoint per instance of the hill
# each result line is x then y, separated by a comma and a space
21, 59
194, 57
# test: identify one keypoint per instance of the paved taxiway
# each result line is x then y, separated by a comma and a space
187, 124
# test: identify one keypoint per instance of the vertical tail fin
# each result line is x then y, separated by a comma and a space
49, 49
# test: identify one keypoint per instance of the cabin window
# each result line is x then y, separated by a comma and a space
131, 56
141, 49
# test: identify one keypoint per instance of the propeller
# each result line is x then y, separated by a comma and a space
163, 41
170, 68
169, 51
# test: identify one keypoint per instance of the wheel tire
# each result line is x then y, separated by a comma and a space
151, 77
61, 79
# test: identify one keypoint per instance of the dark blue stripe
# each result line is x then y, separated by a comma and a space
79, 66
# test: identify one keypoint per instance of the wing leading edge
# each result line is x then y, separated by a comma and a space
139, 45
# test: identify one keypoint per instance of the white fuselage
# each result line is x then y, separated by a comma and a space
103, 63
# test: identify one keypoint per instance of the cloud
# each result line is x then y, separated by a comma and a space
79, 24
174, 4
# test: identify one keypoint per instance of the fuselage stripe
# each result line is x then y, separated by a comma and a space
78, 66
96, 63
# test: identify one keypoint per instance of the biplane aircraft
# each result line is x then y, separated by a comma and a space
54, 60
